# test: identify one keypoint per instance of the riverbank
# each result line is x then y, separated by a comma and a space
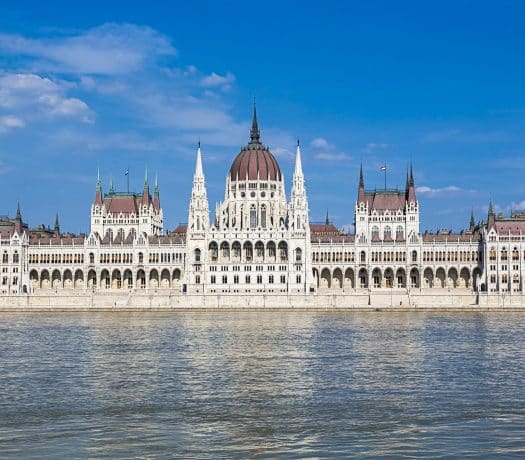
134, 301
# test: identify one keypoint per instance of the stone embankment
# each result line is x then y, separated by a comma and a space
166, 300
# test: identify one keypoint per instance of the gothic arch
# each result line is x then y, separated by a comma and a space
79, 279
349, 282
428, 277
337, 279
326, 279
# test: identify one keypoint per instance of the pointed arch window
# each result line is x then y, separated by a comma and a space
263, 216
253, 216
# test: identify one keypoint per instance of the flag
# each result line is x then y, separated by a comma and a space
382, 168
127, 172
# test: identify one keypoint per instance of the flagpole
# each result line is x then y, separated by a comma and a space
385, 178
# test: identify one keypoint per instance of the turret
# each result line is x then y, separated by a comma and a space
361, 191
411, 187
198, 218
18, 220
98, 190
156, 195
56, 231
145, 193
491, 216
298, 201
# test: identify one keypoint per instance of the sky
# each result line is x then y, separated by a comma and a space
118, 85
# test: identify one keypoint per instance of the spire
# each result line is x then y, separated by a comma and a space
198, 165
491, 216
327, 221
145, 194
156, 194
99, 183
298, 164
57, 225
111, 187
98, 189
361, 191
472, 221
18, 220
255, 134
411, 187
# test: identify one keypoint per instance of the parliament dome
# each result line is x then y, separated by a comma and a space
255, 161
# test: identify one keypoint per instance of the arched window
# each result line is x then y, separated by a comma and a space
213, 251
298, 255
375, 232
141, 258
363, 257
197, 254
283, 251
109, 233
387, 233
91, 258
253, 216
414, 256
263, 216
121, 233
399, 232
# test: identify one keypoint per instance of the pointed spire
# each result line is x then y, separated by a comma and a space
411, 187
99, 182
472, 221
146, 184
57, 225
255, 134
198, 164
156, 194
491, 208
111, 186
298, 163
18, 213
361, 191
327, 220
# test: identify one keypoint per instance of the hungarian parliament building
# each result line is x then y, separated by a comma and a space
260, 242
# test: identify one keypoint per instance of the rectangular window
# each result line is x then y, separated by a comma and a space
259, 279
247, 279
236, 279
212, 279
198, 279
283, 279
298, 279
270, 279
224, 279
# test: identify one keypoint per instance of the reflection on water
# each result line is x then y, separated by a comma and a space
262, 384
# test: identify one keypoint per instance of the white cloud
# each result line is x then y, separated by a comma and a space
320, 143
29, 95
109, 49
332, 156
215, 80
9, 122
375, 146
434, 192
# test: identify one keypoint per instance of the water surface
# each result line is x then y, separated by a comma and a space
262, 384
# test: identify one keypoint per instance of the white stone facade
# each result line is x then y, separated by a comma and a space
260, 242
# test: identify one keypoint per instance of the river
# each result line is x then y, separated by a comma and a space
262, 385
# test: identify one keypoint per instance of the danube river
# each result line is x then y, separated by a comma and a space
262, 384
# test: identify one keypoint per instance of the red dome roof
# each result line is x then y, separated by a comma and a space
255, 162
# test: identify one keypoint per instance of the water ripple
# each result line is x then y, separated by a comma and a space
262, 385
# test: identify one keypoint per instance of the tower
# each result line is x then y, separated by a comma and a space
299, 230
198, 225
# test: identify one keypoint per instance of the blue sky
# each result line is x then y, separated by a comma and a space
117, 85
